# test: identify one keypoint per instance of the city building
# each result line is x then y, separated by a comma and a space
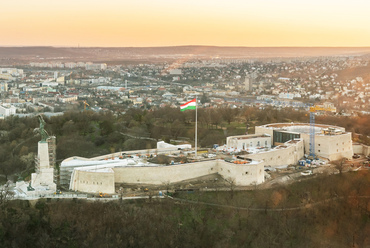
7, 110
3, 87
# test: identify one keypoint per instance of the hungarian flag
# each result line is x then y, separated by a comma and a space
189, 105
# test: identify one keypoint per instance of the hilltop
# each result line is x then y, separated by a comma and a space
21, 55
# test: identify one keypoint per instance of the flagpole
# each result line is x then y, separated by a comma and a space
196, 125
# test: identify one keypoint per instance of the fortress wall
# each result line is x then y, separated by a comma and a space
243, 144
92, 182
164, 174
264, 130
361, 149
366, 150
279, 157
299, 150
334, 147
358, 148
242, 174
177, 173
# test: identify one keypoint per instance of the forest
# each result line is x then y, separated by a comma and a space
323, 211
89, 133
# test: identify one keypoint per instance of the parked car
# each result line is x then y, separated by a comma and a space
356, 156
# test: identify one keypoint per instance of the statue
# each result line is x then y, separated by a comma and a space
43, 133
29, 188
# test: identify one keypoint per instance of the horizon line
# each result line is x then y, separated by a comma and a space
56, 46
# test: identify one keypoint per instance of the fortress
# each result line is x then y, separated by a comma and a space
272, 145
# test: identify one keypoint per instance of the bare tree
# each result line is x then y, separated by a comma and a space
339, 164
167, 185
232, 185
5, 195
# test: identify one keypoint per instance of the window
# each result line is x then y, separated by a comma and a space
318, 144
258, 143
246, 173
318, 151
265, 142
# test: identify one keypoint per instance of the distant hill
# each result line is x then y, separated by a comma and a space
26, 54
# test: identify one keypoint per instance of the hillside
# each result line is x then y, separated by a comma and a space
335, 212
153, 54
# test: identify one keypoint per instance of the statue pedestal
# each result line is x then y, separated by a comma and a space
44, 175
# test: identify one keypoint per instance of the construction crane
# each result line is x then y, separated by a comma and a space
313, 109
85, 104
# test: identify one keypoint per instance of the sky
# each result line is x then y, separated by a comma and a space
146, 23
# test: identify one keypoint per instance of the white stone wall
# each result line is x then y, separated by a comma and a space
264, 130
242, 174
361, 149
177, 173
282, 156
243, 142
334, 147
164, 174
358, 148
92, 182
366, 150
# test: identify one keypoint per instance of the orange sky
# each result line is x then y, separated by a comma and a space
185, 22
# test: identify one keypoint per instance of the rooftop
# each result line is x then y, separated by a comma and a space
305, 128
251, 136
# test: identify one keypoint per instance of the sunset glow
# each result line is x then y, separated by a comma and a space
170, 23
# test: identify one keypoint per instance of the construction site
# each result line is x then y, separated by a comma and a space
242, 161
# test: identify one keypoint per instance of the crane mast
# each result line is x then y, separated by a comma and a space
85, 104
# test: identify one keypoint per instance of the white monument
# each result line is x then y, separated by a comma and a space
44, 176
42, 181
